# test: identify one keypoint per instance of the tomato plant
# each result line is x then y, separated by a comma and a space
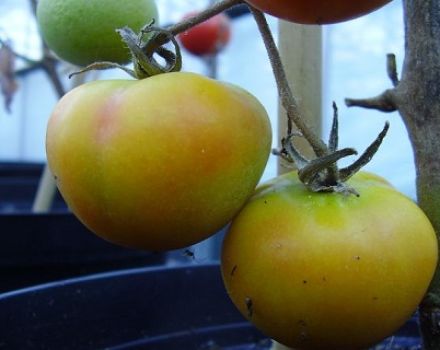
83, 31
317, 11
327, 270
159, 163
207, 38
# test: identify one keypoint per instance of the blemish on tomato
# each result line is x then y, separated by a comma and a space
249, 306
233, 270
303, 335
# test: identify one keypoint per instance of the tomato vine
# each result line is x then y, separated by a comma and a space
321, 173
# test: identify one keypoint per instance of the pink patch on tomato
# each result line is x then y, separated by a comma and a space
107, 120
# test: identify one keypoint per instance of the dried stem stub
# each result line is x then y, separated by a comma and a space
322, 173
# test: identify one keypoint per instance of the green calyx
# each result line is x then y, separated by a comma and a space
144, 48
322, 173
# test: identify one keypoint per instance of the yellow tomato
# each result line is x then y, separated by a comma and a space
159, 163
327, 270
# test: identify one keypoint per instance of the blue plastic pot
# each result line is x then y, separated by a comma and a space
181, 308
152, 308
39, 248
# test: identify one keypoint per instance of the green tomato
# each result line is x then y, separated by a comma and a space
83, 31
159, 163
327, 270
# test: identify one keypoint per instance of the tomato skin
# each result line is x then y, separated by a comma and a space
207, 38
328, 271
317, 11
83, 31
159, 163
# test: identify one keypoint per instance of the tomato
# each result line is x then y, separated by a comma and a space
317, 11
207, 38
327, 270
159, 163
83, 31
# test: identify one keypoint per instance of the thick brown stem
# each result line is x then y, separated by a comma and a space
418, 102
416, 97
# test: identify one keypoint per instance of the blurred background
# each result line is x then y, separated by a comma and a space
354, 66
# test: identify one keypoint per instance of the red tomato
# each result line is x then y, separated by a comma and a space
207, 38
317, 11
159, 163
326, 270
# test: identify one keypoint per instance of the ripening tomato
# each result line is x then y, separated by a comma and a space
317, 11
83, 31
207, 38
159, 163
327, 270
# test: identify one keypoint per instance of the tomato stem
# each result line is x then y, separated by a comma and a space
202, 16
320, 174
285, 93
151, 40
145, 64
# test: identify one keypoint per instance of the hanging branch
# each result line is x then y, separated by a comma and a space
8, 83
